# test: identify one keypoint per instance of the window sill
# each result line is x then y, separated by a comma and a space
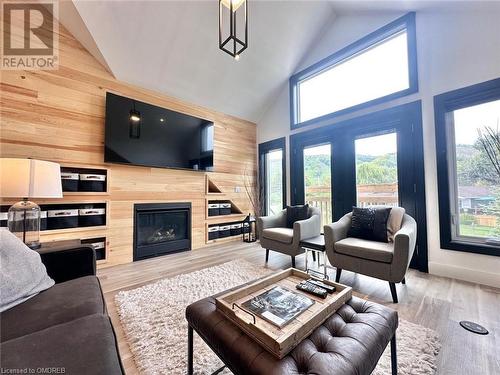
471, 247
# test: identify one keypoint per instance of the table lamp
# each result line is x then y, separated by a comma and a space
28, 178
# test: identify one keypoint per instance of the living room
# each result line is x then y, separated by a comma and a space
174, 173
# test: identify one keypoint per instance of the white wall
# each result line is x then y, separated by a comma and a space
455, 49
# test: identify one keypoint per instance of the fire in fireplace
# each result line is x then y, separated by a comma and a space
161, 228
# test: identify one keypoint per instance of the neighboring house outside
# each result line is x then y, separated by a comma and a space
473, 200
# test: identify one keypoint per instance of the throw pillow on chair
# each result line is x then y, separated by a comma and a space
369, 223
296, 213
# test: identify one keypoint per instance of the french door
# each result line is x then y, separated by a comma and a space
272, 173
376, 159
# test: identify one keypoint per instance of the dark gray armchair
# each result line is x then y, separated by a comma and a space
274, 234
386, 261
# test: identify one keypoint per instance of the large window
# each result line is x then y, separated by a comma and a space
272, 176
379, 67
468, 139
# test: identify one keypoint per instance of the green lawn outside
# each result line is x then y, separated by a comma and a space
476, 230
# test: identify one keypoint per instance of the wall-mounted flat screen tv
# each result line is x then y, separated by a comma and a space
142, 134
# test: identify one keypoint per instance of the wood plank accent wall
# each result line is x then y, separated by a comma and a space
59, 116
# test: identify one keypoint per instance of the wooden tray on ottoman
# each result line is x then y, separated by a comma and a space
280, 341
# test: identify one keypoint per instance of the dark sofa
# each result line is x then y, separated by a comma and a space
64, 329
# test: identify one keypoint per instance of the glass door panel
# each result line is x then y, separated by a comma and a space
318, 179
377, 170
274, 181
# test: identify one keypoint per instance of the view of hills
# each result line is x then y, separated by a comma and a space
370, 169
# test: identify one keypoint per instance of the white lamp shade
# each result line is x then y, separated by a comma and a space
28, 178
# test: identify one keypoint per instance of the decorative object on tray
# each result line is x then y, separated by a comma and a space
278, 306
310, 288
28, 178
329, 288
280, 341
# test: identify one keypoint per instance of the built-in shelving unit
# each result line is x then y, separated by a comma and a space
100, 246
225, 218
69, 217
212, 188
228, 215
234, 210
84, 180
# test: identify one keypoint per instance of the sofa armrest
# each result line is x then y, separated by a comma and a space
337, 231
68, 264
404, 245
307, 228
271, 221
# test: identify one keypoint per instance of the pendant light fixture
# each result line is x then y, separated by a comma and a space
134, 123
233, 26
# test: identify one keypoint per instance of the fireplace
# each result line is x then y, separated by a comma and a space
161, 228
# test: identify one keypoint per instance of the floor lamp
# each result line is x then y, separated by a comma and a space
28, 178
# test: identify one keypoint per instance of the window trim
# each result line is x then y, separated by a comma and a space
406, 22
264, 148
443, 104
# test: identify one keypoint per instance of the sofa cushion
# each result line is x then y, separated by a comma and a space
60, 304
22, 273
283, 235
356, 247
83, 346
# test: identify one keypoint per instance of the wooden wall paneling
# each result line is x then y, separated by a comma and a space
59, 116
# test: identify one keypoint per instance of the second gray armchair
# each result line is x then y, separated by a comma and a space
275, 235
386, 261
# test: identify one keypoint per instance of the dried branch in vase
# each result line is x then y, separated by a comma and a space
254, 194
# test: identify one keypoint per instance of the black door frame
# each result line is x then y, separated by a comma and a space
406, 120
264, 148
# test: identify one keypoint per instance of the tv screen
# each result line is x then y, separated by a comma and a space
143, 134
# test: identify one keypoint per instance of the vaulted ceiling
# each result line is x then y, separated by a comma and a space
172, 47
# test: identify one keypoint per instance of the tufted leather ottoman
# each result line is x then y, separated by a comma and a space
351, 341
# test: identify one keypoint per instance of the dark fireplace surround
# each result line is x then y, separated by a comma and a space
161, 228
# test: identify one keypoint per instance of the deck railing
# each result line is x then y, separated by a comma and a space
368, 195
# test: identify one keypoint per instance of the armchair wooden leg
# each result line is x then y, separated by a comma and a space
394, 358
337, 275
404, 281
293, 262
393, 292
267, 255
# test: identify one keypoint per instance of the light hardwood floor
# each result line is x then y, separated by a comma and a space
434, 302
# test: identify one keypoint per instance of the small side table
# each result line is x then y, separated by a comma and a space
315, 245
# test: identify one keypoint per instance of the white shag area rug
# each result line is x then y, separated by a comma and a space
153, 319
